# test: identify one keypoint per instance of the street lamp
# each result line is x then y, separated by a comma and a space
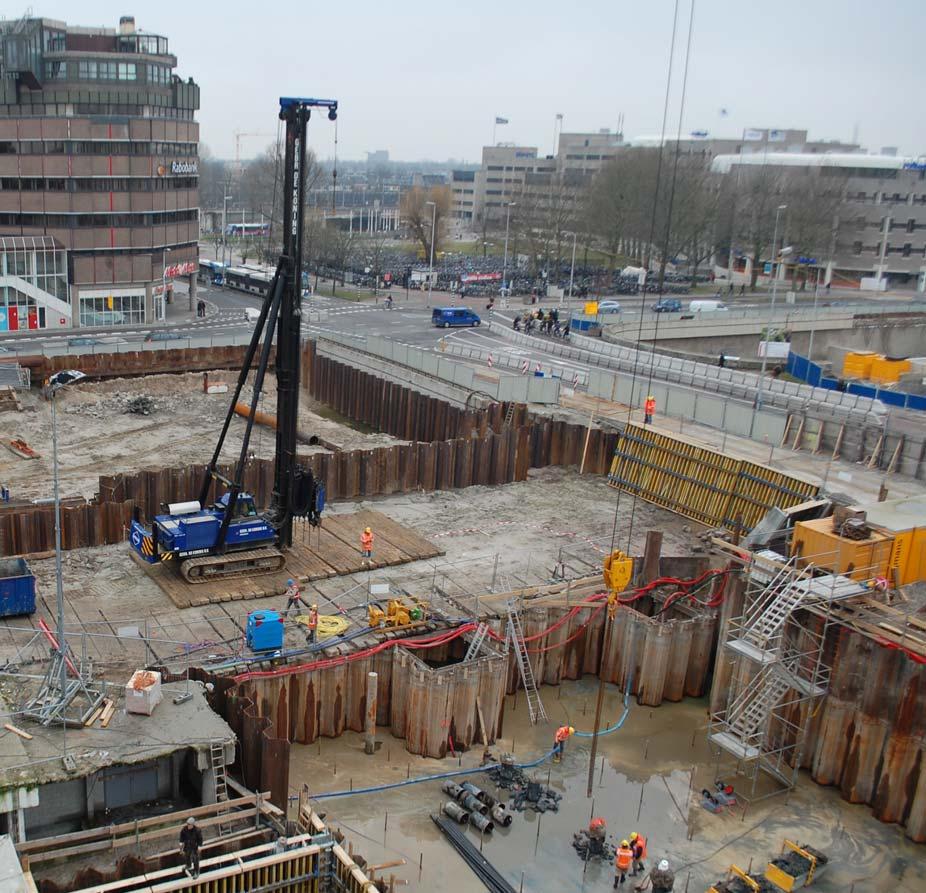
771, 312
505, 262
162, 315
55, 383
572, 268
225, 198
431, 262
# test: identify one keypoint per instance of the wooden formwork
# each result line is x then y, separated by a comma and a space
701, 483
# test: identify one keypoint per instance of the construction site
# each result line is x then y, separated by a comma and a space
364, 629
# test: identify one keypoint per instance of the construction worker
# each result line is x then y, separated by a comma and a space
597, 835
638, 845
563, 733
623, 859
293, 598
366, 542
649, 410
312, 625
191, 839
660, 878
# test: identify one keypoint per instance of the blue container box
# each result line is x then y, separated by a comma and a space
17, 587
265, 631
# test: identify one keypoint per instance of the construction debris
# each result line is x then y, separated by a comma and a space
140, 405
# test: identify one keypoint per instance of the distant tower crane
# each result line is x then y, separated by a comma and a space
239, 135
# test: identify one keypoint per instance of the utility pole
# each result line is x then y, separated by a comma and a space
507, 226
433, 234
771, 312
572, 268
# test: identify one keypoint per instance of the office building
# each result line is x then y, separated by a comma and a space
98, 175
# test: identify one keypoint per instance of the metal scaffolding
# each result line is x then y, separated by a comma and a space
777, 646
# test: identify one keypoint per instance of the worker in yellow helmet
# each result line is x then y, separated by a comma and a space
366, 543
563, 733
312, 625
623, 859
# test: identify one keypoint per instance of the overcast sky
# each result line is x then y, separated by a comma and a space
426, 79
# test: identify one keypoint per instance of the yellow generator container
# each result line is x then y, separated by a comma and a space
857, 363
818, 545
905, 518
885, 371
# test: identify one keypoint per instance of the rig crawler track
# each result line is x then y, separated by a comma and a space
232, 564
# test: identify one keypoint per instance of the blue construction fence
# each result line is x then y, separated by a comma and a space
812, 373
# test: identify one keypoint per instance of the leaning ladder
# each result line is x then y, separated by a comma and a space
509, 415
516, 641
219, 773
478, 638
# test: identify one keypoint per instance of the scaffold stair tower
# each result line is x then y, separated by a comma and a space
780, 656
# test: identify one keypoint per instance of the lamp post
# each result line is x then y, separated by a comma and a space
162, 315
431, 262
505, 261
771, 312
225, 198
572, 267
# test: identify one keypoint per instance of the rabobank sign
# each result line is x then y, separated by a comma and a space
183, 167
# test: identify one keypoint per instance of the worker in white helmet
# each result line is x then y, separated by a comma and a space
191, 839
661, 878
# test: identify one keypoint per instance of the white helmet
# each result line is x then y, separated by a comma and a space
664, 865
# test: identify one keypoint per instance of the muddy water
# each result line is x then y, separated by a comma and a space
642, 779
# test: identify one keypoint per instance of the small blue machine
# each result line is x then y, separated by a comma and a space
265, 631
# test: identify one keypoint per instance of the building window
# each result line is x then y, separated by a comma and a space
495, 167
856, 248
158, 74
911, 225
112, 310
86, 70
907, 248
126, 71
56, 71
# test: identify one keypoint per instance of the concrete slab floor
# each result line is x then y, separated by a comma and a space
647, 778
556, 513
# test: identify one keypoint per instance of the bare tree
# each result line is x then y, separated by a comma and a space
418, 214
757, 193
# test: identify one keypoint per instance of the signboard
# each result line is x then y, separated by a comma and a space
752, 135
776, 136
767, 268
774, 350
591, 308
187, 268
179, 168
481, 277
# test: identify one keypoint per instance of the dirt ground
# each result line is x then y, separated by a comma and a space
646, 777
97, 434
495, 538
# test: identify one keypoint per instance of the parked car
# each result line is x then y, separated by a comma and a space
454, 316
609, 307
667, 306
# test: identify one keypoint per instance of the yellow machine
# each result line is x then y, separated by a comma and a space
398, 614
618, 572
797, 866
737, 881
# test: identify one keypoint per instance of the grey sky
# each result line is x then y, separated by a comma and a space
426, 79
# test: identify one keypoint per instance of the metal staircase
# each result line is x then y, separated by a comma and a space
515, 638
476, 643
778, 657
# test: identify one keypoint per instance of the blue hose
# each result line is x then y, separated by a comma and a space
620, 722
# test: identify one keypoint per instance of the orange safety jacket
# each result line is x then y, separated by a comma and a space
649, 407
639, 847
562, 733
623, 858
366, 540
313, 619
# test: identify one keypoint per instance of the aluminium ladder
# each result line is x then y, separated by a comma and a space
219, 774
516, 640
482, 630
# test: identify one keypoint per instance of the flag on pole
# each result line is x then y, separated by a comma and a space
489, 361
575, 380
500, 120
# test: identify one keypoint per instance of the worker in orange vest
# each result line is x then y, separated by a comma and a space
559, 741
366, 542
638, 845
649, 410
623, 859
312, 625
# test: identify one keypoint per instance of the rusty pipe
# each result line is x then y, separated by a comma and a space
268, 420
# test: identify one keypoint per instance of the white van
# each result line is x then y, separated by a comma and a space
706, 306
